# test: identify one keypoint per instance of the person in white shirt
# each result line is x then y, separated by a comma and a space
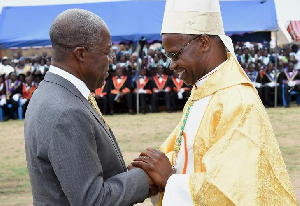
296, 50
5, 68
72, 155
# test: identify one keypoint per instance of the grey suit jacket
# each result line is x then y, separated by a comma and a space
72, 158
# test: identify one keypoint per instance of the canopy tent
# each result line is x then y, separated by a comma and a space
127, 20
294, 30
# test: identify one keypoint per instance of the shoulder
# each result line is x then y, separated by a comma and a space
237, 98
50, 101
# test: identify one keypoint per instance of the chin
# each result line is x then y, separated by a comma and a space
188, 82
101, 83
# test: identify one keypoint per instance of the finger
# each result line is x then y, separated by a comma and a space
146, 166
155, 152
147, 153
150, 149
141, 164
142, 158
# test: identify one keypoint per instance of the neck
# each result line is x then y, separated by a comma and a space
68, 68
215, 60
72, 69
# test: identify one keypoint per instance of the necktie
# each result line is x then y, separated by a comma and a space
93, 102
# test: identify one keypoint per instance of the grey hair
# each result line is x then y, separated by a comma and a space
75, 27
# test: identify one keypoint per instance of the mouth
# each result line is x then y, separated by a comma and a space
180, 74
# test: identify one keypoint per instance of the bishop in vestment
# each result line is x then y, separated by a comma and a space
223, 151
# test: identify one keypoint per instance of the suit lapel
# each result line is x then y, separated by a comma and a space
56, 79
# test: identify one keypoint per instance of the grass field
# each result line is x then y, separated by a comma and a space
134, 134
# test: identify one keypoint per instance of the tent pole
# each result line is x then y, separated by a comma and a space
276, 67
137, 80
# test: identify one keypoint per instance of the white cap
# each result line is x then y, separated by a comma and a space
195, 17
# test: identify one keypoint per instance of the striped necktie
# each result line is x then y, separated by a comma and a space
93, 102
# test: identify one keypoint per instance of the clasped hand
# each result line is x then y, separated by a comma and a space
157, 166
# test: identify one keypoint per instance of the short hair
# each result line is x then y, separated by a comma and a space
72, 28
295, 47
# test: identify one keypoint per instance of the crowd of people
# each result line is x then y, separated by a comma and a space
157, 87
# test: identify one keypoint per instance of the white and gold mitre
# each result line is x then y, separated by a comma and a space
195, 17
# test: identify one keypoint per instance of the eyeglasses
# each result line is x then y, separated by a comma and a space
174, 55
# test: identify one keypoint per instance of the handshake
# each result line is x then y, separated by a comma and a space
157, 167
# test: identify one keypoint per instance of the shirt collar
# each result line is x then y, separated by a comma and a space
79, 84
205, 77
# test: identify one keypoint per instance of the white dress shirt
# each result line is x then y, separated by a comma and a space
79, 84
297, 56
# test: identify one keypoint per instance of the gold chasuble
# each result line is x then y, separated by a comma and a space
236, 157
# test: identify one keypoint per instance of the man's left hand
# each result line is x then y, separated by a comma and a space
153, 189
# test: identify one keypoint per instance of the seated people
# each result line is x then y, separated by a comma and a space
5, 68
291, 79
101, 95
11, 93
27, 90
120, 88
161, 89
255, 78
270, 83
180, 91
144, 91
21, 78
2, 80
21, 66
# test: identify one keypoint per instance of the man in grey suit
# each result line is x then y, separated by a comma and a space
72, 155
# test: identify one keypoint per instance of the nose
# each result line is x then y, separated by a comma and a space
173, 65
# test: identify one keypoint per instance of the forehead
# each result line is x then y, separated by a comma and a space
106, 38
173, 41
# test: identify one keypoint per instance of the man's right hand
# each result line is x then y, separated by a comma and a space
156, 164
153, 189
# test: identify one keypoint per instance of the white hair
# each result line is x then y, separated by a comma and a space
75, 27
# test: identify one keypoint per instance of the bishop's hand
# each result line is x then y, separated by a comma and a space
157, 166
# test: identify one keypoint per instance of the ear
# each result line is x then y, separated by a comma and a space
80, 54
205, 42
